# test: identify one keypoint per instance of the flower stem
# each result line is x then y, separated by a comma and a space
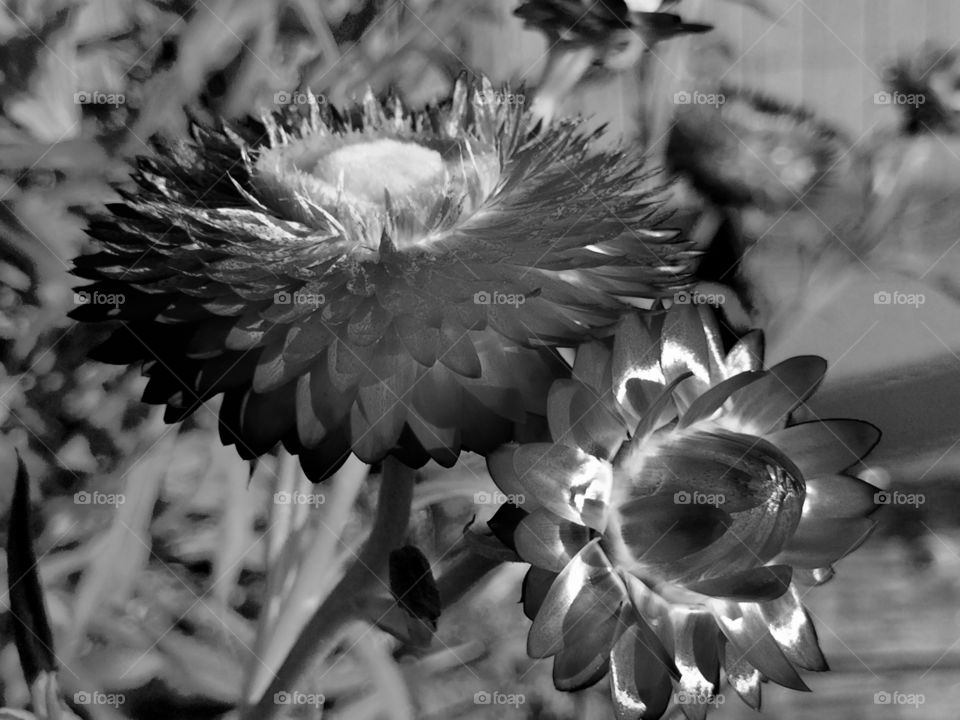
463, 573
362, 579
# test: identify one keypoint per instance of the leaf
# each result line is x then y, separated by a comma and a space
31, 628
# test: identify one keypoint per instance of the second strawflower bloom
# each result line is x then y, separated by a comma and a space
679, 515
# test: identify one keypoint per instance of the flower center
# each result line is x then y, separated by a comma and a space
367, 169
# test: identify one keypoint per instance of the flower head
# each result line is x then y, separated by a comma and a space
747, 149
924, 88
379, 281
680, 508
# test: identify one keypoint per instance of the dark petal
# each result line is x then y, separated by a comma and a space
792, 628
747, 354
819, 543
323, 460
442, 444
330, 404
306, 340
766, 404
714, 398
824, 447
839, 496
767, 582
749, 639
420, 340
585, 657
536, 585
438, 397
368, 323
544, 540
656, 529
310, 430
640, 674
456, 349
742, 676
377, 418
567, 481
586, 590
273, 370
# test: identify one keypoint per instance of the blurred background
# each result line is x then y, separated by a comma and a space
152, 539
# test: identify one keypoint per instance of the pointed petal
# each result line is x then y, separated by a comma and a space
504, 473
824, 447
569, 482
762, 583
585, 657
640, 674
586, 590
592, 365
819, 543
714, 398
685, 349
695, 642
766, 404
536, 585
636, 356
792, 628
544, 540
839, 496
750, 639
742, 676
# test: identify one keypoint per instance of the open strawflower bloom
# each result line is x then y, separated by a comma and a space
680, 515
380, 281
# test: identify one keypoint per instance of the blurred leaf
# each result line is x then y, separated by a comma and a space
111, 577
415, 589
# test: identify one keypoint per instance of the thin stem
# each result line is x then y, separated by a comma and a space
362, 579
